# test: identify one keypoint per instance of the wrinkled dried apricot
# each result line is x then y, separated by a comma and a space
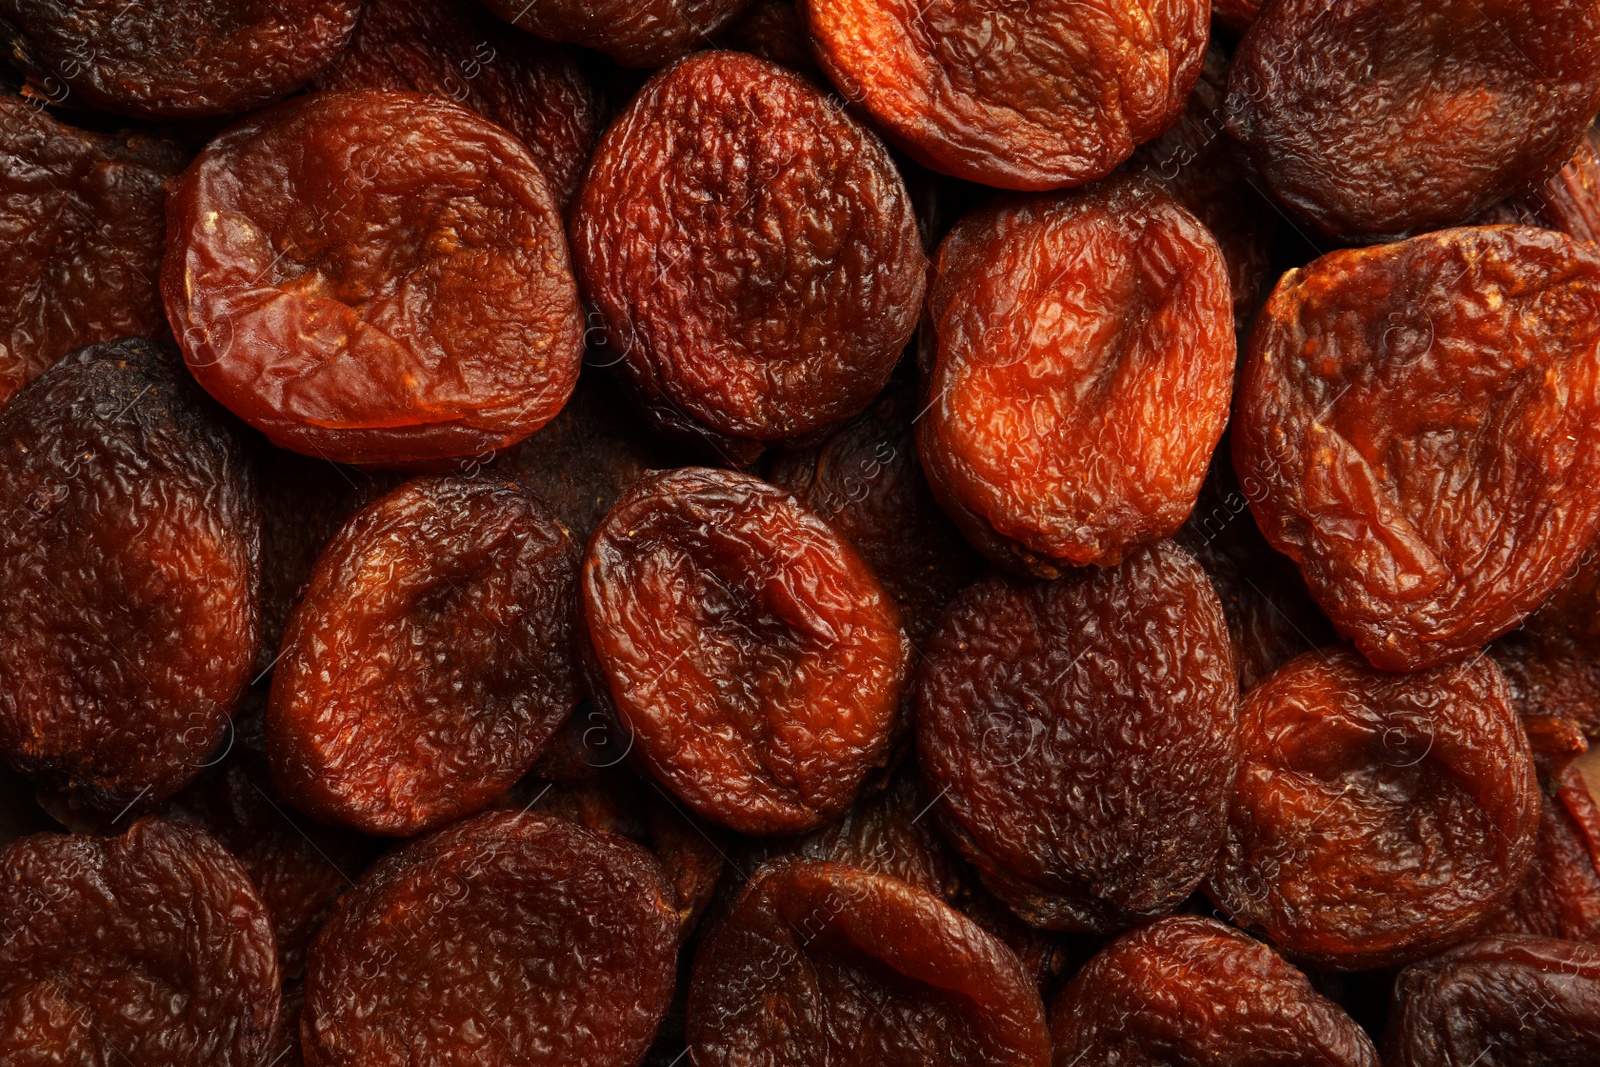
149, 948
1560, 895
743, 647
429, 660
1084, 360
508, 938
1031, 95
774, 30
1378, 117
1235, 15
1187, 991
751, 251
1079, 737
826, 963
374, 277
1568, 201
173, 58
635, 33
1552, 661
1376, 817
1424, 421
130, 559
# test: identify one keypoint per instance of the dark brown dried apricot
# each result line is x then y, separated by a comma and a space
750, 249
1568, 201
536, 90
1191, 992
826, 963
430, 659
148, 949
85, 221
1498, 1002
1376, 817
1552, 661
506, 939
1235, 15
774, 30
1424, 421
374, 277
1033, 95
173, 58
130, 562
1377, 117
1079, 737
743, 647
1560, 895
635, 33
1084, 359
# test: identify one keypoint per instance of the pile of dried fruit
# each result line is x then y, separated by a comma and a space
539, 533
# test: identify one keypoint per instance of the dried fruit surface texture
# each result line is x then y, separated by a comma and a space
173, 58
746, 651
430, 659
547, 943
826, 963
149, 950
635, 33
1079, 737
1083, 366
1375, 118
1568, 201
1560, 895
1424, 420
1377, 817
84, 220
374, 277
1191, 992
751, 249
130, 561
1021, 96
1553, 660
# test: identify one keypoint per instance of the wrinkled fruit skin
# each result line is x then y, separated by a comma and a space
173, 58
1063, 323
1191, 992
1560, 895
1552, 661
826, 963
751, 250
130, 562
1079, 737
1373, 119
748, 654
457, 50
1235, 15
1498, 1002
429, 660
1424, 418
1568, 201
375, 278
1022, 96
84, 215
1377, 817
635, 33
774, 30
553, 944
149, 948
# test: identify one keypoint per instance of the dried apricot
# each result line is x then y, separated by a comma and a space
1084, 353
635, 33
1423, 419
508, 938
130, 561
826, 963
1568, 201
1377, 817
751, 658
1235, 15
751, 251
1079, 737
1560, 895
1552, 660
430, 659
774, 30
374, 277
149, 948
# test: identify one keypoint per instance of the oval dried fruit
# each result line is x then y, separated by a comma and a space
635, 33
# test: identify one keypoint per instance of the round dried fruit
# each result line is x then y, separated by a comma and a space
510, 938
1085, 354
635, 33
743, 647
374, 277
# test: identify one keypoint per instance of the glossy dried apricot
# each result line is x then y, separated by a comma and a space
149, 948
751, 251
1568, 201
826, 963
1377, 817
635, 33
1079, 737
130, 559
1084, 353
1560, 895
1552, 660
1424, 421
753, 661
430, 659
374, 277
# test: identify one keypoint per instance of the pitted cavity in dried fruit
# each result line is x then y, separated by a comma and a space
635, 33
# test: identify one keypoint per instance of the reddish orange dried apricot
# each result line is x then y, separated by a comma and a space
636, 33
